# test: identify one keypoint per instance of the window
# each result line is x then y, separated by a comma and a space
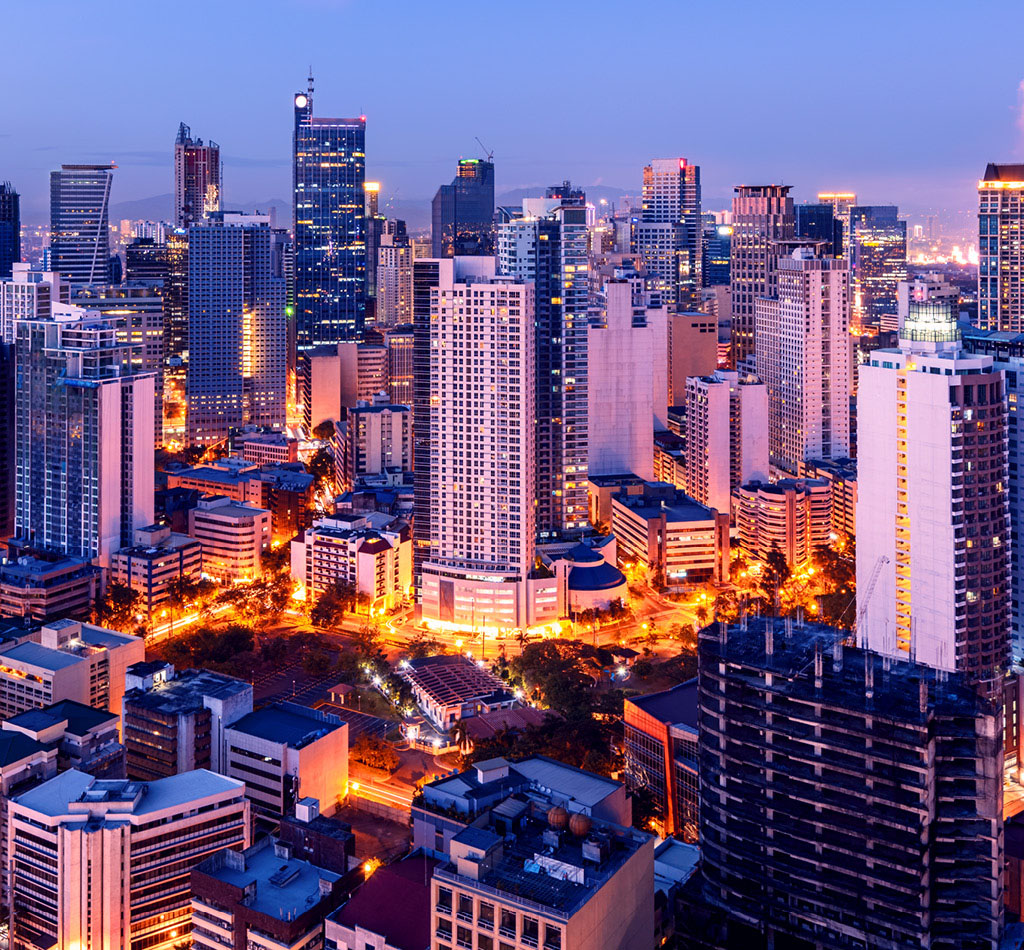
485, 917
552, 938
531, 931
483, 942
465, 938
443, 928
507, 925
444, 900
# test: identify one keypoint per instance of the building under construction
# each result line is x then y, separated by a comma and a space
847, 800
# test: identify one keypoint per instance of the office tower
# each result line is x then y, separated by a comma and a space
547, 244
394, 276
761, 216
626, 347
145, 259
328, 178
67, 660
79, 225
667, 236
819, 222
84, 428
237, 335
399, 343
932, 512
10, 228
716, 251
375, 225
802, 334
901, 846
480, 477
29, 295
197, 178
138, 308
1000, 254
7, 452
692, 351
378, 437
878, 262
462, 213
726, 435
175, 722
339, 376
106, 862
841, 203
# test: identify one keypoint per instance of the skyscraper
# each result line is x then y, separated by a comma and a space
480, 482
84, 437
761, 216
716, 251
819, 222
462, 213
79, 225
10, 228
804, 357
29, 295
328, 180
237, 331
197, 178
546, 244
668, 234
394, 276
1000, 250
841, 202
932, 511
878, 262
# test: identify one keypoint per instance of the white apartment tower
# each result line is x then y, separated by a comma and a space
29, 295
482, 478
726, 436
394, 280
804, 356
626, 349
932, 513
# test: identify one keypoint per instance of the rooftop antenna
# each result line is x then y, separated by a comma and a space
489, 152
310, 81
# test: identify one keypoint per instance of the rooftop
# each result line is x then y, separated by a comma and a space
33, 654
659, 497
998, 172
453, 679
288, 724
677, 704
186, 691
79, 717
15, 746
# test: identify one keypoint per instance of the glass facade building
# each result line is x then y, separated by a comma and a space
462, 213
1000, 248
819, 222
79, 223
10, 229
328, 179
878, 262
715, 250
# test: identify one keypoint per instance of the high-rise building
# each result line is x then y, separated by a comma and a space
8, 456
399, 342
328, 179
145, 259
237, 332
197, 178
10, 228
462, 213
726, 435
546, 244
394, 276
106, 862
802, 336
761, 216
375, 226
378, 437
881, 823
716, 252
626, 346
79, 222
480, 468
841, 202
1000, 253
668, 233
878, 262
819, 222
792, 516
84, 430
29, 295
692, 351
932, 512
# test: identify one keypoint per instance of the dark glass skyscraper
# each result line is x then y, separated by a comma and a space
715, 249
878, 262
10, 229
79, 225
819, 221
462, 213
328, 179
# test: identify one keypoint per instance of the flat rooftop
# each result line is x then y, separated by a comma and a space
287, 723
44, 658
186, 691
676, 705
79, 717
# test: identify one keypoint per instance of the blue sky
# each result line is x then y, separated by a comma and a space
903, 101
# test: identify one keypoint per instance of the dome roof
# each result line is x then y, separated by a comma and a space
602, 576
581, 554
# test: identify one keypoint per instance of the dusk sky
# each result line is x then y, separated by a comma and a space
901, 101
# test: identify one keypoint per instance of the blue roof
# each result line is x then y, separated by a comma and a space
583, 554
601, 576
285, 723
35, 655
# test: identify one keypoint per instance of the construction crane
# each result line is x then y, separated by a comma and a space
868, 591
488, 151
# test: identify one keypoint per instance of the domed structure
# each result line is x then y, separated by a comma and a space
558, 817
592, 583
580, 825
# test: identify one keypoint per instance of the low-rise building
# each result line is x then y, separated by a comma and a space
84, 738
285, 752
588, 581
67, 660
262, 897
47, 588
377, 563
661, 755
670, 535
157, 559
793, 515
841, 474
602, 488
106, 862
326, 842
262, 448
176, 722
541, 879
449, 688
367, 921
233, 535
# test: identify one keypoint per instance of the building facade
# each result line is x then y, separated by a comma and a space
10, 229
197, 178
878, 262
462, 213
793, 516
79, 223
1000, 256
233, 537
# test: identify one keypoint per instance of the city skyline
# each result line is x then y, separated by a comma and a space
411, 148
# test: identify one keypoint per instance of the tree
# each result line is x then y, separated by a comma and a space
276, 560
459, 734
330, 607
321, 467
367, 637
774, 574
324, 431
374, 752
118, 608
